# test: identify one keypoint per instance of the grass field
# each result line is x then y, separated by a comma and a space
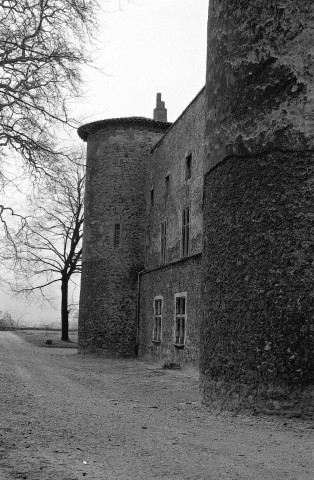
40, 337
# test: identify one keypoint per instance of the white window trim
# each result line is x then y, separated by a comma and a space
158, 297
181, 294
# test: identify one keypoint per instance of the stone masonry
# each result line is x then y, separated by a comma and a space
114, 232
198, 242
257, 263
164, 278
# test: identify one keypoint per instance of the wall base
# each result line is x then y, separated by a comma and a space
101, 352
258, 399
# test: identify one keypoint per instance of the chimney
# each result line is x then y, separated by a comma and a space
160, 112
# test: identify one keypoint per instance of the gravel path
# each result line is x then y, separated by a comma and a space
67, 417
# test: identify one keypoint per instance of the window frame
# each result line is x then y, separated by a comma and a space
147, 246
180, 341
163, 242
152, 197
167, 185
188, 166
157, 320
185, 231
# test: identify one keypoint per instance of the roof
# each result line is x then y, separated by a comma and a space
90, 128
171, 125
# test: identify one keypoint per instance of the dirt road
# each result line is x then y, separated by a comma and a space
68, 417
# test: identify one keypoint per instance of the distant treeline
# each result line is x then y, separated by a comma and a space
35, 328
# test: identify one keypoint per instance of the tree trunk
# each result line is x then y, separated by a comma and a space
64, 310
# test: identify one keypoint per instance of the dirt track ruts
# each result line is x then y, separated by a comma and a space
67, 417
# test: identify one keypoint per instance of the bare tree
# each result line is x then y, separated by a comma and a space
49, 247
6, 320
10, 318
42, 45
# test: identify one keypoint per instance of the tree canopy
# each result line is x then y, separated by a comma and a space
42, 46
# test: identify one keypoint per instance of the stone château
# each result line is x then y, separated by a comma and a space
143, 235
198, 237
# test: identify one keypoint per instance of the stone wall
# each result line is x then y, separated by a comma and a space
186, 136
165, 282
260, 71
257, 334
117, 152
258, 256
166, 277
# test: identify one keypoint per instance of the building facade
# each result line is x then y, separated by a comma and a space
143, 236
114, 231
198, 237
169, 305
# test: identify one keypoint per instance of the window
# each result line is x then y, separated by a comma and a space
151, 196
180, 319
117, 235
188, 166
163, 242
167, 185
157, 319
185, 231
147, 247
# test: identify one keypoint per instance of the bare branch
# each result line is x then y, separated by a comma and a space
42, 47
48, 249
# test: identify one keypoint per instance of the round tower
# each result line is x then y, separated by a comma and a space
114, 231
258, 256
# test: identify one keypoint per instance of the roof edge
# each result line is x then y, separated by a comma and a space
179, 117
90, 128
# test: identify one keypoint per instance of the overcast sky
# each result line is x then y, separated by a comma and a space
147, 46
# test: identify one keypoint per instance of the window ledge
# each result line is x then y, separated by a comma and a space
179, 346
157, 342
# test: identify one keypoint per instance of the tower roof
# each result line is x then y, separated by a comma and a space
146, 123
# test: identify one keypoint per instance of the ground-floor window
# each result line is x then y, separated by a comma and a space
157, 319
180, 318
